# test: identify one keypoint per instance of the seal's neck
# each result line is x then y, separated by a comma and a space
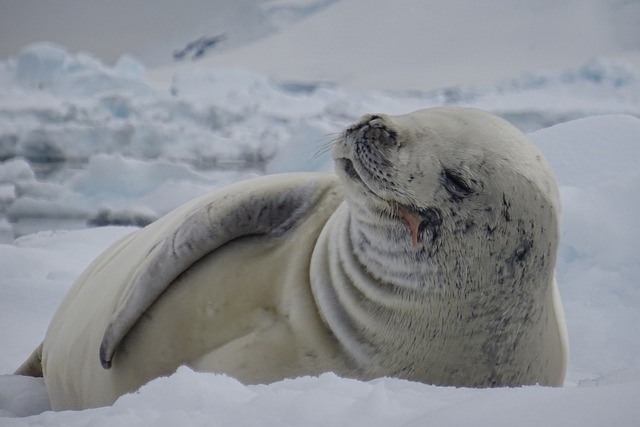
364, 279
381, 241
430, 312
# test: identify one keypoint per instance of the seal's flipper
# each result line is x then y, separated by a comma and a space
209, 223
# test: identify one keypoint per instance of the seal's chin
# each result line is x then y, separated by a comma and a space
346, 170
347, 167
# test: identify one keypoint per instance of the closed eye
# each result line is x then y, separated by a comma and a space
456, 184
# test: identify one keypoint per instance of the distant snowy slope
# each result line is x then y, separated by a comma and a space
151, 29
232, 24
428, 44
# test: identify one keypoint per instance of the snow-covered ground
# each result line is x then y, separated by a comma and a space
84, 144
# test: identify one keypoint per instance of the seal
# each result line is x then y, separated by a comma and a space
429, 256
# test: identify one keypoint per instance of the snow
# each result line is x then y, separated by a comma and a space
84, 144
210, 399
233, 24
426, 45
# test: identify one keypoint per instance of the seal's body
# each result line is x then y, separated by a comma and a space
430, 256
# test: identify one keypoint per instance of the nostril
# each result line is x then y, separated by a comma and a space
374, 133
380, 134
363, 122
373, 130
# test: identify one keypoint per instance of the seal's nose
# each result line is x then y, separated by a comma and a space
373, 129
363, 121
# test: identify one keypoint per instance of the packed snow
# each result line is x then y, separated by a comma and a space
84, 144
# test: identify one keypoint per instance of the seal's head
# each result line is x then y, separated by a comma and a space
458, 182
440, 266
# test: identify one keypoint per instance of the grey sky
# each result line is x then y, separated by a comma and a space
106, 28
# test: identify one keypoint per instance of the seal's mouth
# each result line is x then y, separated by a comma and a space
347, 166
407, 214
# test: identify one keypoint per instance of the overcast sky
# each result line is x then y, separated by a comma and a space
106, 28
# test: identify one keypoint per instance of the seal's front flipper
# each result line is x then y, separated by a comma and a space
268, 206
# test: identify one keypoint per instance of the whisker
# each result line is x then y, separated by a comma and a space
326, 146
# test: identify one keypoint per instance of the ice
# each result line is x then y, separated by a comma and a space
40, 65
129, 66
15, 170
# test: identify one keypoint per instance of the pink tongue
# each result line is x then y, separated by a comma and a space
412, 221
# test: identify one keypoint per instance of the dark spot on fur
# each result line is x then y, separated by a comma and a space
520, 254
465, 226
506, 206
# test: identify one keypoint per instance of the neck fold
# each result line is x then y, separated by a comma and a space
358, 302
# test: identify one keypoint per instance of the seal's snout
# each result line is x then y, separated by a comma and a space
373, 129
362, 152
360, 124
